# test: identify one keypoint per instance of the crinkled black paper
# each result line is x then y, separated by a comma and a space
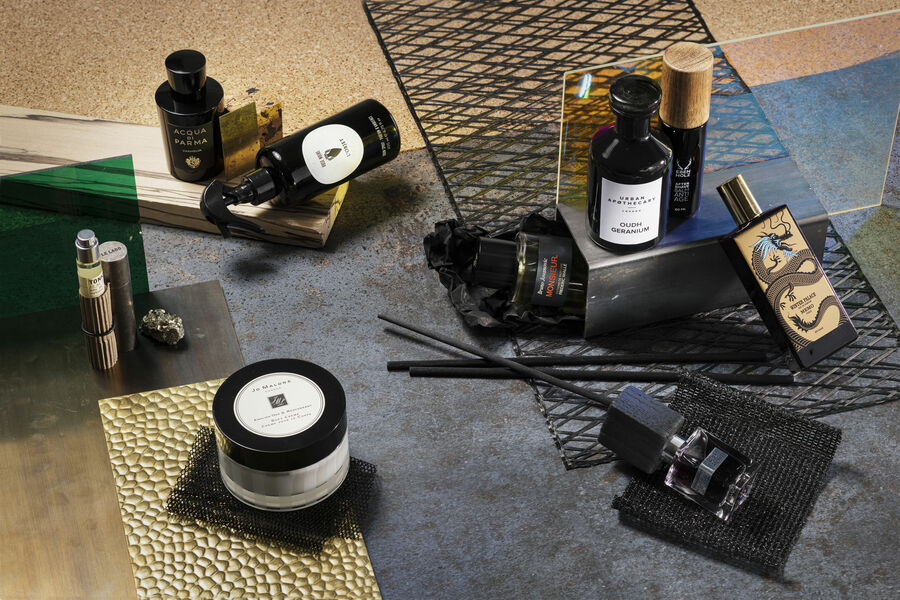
450, 250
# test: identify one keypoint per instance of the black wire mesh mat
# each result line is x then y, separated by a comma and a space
199, 495
483, 80
792, 453
864, 373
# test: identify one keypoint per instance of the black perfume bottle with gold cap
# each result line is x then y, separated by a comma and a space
189, 104
784, 278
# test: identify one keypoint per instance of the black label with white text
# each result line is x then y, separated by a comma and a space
193, 146
554, 267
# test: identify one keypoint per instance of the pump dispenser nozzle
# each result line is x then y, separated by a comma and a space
214, 205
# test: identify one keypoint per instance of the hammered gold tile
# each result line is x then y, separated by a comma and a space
149, 436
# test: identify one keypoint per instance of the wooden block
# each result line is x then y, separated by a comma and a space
35, 139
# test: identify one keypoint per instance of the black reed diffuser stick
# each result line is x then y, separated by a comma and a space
595, 375
505, 362
606, 359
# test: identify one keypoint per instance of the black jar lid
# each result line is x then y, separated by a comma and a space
634, 96
280, 415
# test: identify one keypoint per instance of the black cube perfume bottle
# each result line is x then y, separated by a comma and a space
538, 270
702, 468
628, 171
189, 104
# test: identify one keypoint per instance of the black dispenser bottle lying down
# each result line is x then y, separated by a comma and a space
308, 162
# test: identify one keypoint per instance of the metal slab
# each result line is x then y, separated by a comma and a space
60, 521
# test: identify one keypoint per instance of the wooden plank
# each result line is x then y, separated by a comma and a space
34, 139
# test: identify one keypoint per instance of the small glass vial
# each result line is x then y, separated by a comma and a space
628, 171
87, 263
538, 270
644, 431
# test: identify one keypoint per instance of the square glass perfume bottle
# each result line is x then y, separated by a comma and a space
703, 468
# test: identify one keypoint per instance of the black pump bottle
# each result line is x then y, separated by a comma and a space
308, 162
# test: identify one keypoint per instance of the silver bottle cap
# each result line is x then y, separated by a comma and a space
86, 247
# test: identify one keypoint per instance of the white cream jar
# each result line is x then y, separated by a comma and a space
281, 434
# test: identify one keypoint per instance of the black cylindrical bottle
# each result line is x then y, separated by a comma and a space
322, 156
628, 172
686, 84
189, 104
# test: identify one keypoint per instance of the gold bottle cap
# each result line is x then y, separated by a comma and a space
739, 200
686, 85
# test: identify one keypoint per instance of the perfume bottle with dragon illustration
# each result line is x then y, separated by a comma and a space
783, 277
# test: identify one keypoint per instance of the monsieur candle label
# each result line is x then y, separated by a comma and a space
553, 270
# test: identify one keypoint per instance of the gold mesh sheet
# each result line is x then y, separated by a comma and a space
149, 436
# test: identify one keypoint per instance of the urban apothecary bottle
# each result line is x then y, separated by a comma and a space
628, 172
643, 431
308, 162
189, 104
783, 277
683, 113
538, 270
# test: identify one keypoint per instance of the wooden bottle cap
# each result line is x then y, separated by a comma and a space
686, 85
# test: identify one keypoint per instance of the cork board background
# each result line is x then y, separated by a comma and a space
104, 59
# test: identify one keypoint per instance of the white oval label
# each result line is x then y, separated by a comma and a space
279, 404
332, 152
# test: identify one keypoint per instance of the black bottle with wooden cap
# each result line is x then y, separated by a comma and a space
683, 113
189, 104
784, 278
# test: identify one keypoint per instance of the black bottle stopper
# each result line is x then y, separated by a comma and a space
186, 72
638, 428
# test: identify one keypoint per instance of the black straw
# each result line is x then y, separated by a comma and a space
595, 375
524, 369
581, 360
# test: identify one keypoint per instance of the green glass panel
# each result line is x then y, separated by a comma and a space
40, 214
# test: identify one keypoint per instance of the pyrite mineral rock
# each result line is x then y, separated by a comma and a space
162, 326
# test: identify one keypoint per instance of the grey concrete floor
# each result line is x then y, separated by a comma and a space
474, 501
